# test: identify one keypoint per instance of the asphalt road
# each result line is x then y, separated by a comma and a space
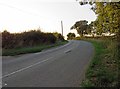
62, 66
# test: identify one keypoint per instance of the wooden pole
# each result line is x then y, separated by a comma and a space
62, 27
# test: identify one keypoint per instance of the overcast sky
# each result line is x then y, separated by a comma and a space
21, 15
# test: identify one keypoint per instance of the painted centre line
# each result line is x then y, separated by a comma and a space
25, 68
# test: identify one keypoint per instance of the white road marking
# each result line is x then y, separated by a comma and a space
68, 51
25, 68
5, 84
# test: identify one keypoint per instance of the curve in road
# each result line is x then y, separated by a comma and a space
62, 66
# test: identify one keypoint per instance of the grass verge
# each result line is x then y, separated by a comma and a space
24, 50
103, 69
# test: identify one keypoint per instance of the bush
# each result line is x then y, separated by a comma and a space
58, 36
30, 38
103, 69
7, 40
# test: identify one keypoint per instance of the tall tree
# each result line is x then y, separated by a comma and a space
108, 20
108, 16
81, 27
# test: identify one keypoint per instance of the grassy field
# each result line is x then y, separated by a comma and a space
17, 51
103, 69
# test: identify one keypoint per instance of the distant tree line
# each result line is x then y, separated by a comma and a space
30, 38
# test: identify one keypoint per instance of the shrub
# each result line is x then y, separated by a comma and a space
58, 36
30, 38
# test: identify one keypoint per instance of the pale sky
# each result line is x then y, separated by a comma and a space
21, 15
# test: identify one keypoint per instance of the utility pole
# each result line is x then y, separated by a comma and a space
62, 27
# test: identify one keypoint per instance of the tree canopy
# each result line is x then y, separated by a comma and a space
108, 17
81, 27
70, 36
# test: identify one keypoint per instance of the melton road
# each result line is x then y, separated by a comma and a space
62, 66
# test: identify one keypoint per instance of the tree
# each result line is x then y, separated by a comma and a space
81, 27
70, 36
108, 20
108, 16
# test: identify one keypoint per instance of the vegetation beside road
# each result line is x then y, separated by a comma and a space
29, 42
34, 49
103, 69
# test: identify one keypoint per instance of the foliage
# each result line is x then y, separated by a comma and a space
58, 36
103, 69
77, 38
27, 39
8, 40
33, 49
81, 27
70, 36
108, 16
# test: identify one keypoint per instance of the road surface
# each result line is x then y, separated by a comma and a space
62, 66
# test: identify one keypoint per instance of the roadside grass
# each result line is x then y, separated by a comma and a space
34, 49
103, 69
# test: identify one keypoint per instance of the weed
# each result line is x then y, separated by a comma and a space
103, 69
